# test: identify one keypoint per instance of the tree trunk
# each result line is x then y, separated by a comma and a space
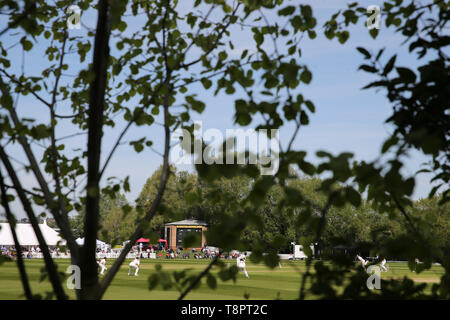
89, 277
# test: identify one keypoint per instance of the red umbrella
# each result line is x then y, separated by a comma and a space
143, 240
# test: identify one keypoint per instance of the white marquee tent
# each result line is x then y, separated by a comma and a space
100, 244
26, 236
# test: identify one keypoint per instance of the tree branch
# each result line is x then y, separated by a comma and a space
49, 263
95, 131
61, 220
18, 83
155, 204
12, 224
31, 6
199, 277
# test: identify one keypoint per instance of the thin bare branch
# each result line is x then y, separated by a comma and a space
61, 220
18, 83
49, 263
155, 204
199, 277
12, 222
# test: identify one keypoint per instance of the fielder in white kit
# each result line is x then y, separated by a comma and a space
363, 262
102, 264
383, 265
134, 264
241, 263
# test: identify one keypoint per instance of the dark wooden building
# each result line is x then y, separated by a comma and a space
174, 232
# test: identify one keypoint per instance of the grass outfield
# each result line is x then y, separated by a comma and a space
264, 283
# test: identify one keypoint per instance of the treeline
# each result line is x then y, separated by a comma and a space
348, 227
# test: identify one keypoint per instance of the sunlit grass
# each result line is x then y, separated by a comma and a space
264, 283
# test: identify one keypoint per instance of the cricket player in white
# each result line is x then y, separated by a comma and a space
102, 264
363, 262
383, 265
241, 263
416, 262
134, 264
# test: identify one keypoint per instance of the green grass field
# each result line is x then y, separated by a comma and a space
264, 283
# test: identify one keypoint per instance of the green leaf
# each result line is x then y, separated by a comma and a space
374, 33
138, 145
389, 143
368, 68
287, 11
271, 259
26, 44
191, 239
353, 197
306, 76
343, 36
406, 74
40, 131
307, 167
211, 281
153, 281
310, 106
312, 34
389, 65
304, 119
259, 38
323, 154
222, 55
206, 83
6, 100
364, 52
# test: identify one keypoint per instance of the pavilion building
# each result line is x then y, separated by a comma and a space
174, 232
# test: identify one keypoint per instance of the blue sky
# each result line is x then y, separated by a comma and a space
346, 119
